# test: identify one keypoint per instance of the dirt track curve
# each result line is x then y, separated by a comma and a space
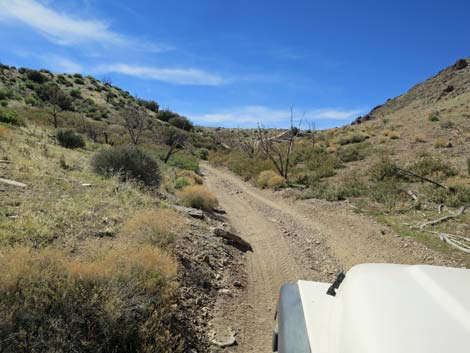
294, 240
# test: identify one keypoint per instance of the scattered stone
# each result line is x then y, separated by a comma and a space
192, 212
230, 341
85, 185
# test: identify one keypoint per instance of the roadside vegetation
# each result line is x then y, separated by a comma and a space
382, 168
87, 247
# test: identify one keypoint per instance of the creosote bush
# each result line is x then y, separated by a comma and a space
112, 299
129, 163
69, 139
155, 227
197, 196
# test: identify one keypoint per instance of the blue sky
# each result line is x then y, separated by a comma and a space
236, 63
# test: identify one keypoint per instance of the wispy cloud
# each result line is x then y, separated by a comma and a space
181, 76
250, 116
64, 29
60, 64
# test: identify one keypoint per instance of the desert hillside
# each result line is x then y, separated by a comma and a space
403, 163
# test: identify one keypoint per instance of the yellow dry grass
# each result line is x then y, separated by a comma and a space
157, 227
270, 179
198, 196
190, 175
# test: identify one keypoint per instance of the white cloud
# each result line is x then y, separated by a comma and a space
63, 29
187, 76
333, 114
61, 64
250, 116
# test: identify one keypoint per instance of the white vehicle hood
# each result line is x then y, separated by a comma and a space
381, 308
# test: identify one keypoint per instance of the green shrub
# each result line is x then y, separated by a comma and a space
166, 115
69, 139
347, 189
181, 183
6, 94
203, 153
30, 100
351, 154
53, 94
36, 76
429, 166
150, 105
352, 139
384, 169
434, 116
79, 81
75, 93
454, 197
129, 163
387, 192
181, 122
3, 103
10, 118
183, 161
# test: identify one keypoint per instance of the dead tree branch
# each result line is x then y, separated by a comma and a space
443, 219
135, 121
278, 152
409, 173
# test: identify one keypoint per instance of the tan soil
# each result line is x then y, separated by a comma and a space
293, 240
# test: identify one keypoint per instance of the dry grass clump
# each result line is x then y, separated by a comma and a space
441, 143
420, 138
264, 177
5, 132
155, 227
114, 299
270, 179
191, 176
197, 196
276, 182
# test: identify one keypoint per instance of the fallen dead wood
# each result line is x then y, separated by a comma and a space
237, 241
411, 194
409, 173
5, 161
457, 241
443, 219
12, 182
439, 208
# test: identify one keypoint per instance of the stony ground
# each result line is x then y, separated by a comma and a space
293, 240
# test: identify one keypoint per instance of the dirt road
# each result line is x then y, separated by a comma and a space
294, 240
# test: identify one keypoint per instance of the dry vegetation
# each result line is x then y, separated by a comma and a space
381, 163
87, 245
